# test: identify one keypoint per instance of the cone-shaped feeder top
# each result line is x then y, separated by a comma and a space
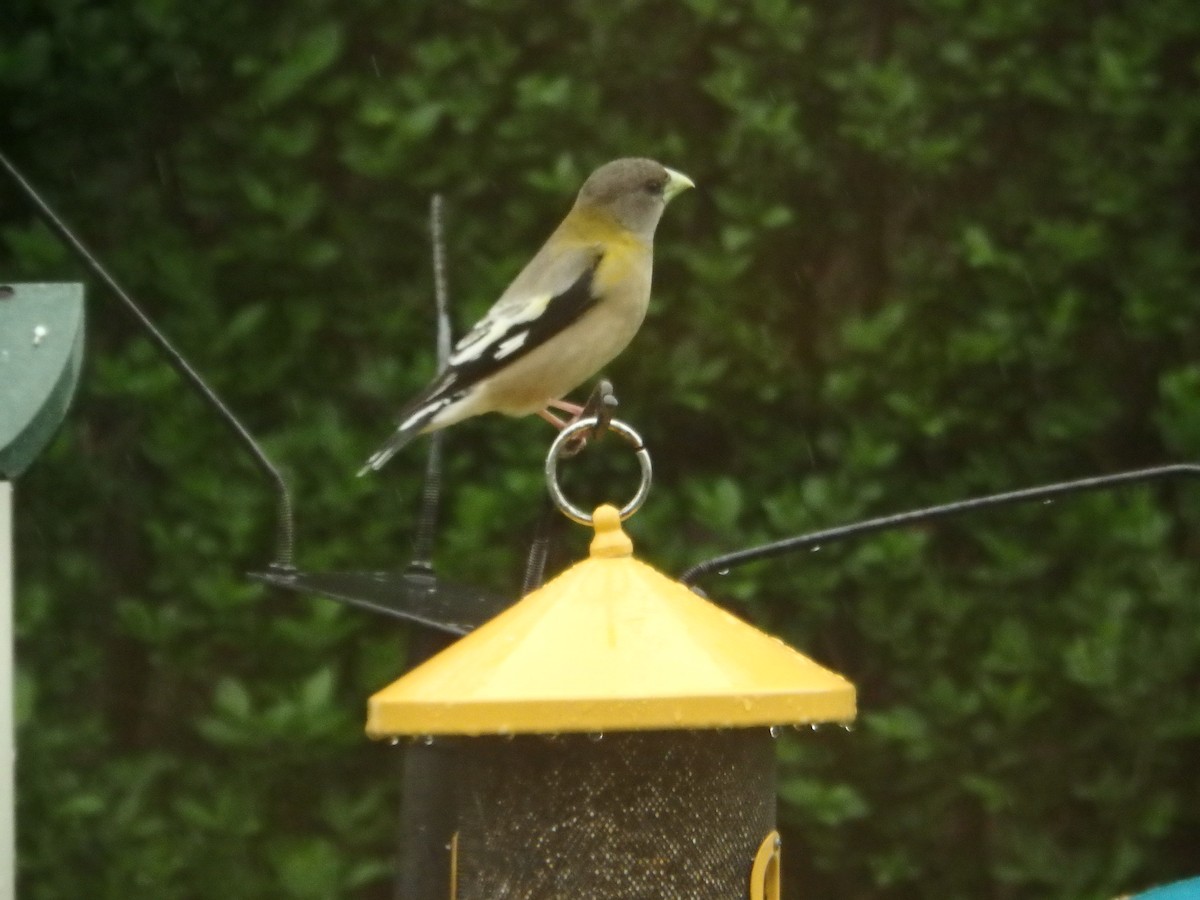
610, 645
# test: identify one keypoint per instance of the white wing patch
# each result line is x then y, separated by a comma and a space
495, 325
477, 340
512, 345
424, 413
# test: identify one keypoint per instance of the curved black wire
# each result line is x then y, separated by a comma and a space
929, 513
286, 531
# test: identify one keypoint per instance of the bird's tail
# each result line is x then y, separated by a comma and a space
399, 439
408, 429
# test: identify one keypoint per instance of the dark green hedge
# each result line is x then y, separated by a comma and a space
940, 248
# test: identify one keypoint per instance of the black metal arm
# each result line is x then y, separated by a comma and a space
286, 531
929, 513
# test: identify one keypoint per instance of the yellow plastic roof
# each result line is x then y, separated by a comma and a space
610, 644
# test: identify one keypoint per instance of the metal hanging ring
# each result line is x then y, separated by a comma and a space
569, 509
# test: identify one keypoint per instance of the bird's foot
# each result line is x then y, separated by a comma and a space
601, 405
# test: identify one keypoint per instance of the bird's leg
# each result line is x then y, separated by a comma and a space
563, 406
552, 419
574, 409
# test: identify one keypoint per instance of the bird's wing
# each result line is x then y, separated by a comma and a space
532, 311
551, 287
547, 297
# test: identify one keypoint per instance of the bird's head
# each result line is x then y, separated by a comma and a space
633, 192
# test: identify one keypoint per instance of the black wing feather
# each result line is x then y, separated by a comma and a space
561, 311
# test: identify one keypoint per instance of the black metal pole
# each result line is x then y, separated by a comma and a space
427, 811
431, 492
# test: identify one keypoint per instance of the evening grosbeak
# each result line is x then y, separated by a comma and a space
574, 307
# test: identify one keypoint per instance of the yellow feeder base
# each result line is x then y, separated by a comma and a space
610, 644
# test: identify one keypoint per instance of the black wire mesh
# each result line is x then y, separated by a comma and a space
656, 815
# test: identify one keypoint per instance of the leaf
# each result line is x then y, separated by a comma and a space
311, 55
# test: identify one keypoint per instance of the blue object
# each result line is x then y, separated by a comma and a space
1180, 890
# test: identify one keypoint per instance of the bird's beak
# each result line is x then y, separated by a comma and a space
677, 183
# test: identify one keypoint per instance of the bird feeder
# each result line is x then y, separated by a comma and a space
613, 735
41, 352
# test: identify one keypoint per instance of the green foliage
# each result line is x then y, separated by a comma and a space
940, 248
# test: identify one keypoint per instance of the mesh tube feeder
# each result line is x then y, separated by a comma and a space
612, 733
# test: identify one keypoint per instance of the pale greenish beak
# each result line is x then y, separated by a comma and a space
677, 183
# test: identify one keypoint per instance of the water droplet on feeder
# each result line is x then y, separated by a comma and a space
814, 726
846, 726
722, 571
775, 729
39, 334
427, 740
815, 548
393, 742
596, 736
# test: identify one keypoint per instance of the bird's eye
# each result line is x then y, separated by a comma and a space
654, 186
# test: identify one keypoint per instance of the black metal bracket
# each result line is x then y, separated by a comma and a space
286, 531
413, 594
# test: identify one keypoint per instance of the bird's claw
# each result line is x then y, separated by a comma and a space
600, 405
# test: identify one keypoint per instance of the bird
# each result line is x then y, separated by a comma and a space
576, 305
